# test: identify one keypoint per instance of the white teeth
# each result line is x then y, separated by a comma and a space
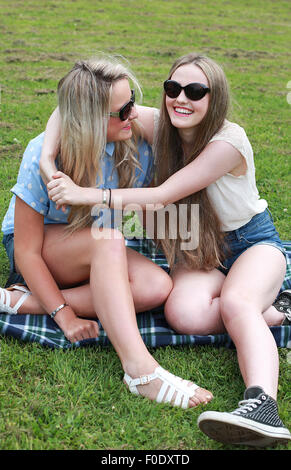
182, 111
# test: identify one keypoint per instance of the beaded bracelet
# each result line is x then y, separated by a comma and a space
104, 197
53, 314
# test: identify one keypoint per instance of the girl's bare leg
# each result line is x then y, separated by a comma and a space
75, 259
250, 289
193, 305
150, 287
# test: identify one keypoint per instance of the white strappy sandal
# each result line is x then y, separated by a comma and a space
5, 299
171, 384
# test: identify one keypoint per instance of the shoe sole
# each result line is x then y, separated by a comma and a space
231, 429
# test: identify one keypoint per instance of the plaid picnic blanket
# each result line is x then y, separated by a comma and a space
152, 324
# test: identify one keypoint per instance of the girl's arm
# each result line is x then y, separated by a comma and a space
50, 147
146, 117
217, 159
52, 139
28, 238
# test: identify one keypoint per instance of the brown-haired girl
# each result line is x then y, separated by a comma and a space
231, 279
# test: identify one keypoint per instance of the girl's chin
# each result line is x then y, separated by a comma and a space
182, 122
126, 133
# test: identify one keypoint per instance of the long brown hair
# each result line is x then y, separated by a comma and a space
171, 158
84, 103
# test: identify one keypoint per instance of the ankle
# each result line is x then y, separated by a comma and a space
138, 368
14, 297
274, 317
30, 304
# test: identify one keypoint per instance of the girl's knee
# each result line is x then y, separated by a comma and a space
188, 317
103, 234
161, 287
154, 289
234, 303
109, 242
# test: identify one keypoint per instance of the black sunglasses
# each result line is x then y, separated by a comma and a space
193, 91
125, 111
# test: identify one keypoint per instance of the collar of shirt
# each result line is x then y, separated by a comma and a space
110, 146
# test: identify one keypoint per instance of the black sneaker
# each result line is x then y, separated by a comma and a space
283, 304
255, 422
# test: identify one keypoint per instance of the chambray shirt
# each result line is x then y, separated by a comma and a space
32, 190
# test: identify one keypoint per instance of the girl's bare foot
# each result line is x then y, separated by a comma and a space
162, 386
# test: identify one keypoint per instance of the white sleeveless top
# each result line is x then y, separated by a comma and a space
235, 198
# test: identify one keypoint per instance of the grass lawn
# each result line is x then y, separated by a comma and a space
75, 399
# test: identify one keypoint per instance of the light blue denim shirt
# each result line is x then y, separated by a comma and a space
32, 190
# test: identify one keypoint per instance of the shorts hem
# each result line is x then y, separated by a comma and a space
275, 245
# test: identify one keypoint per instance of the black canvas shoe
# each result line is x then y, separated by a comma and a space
283, 304
255, 422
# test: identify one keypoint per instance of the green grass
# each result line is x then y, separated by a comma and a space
75, 399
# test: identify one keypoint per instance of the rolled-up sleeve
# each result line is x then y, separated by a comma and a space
29, 186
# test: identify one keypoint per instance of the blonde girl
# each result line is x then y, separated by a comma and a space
71, 274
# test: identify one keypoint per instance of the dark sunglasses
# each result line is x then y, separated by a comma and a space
193, 91
125, 111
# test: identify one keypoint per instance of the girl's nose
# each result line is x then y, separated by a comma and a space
133, 113
182, 98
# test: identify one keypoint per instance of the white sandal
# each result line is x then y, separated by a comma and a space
5, 299
171, 385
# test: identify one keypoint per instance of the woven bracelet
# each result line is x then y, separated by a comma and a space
109, 203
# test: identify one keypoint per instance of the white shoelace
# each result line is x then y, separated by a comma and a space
285, 303
247, 405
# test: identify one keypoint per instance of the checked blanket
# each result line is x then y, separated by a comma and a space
152, 325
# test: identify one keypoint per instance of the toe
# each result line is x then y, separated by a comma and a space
201, 396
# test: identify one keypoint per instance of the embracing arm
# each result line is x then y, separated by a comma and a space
52, 137
50, 147
28, 242
217, 159
146, 118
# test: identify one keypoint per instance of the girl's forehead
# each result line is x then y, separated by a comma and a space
121, 92
189, 73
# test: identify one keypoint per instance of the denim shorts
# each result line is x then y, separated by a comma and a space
14, 277
260, 230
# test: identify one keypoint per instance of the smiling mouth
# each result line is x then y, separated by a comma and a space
182, 111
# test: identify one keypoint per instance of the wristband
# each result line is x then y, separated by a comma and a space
53, 314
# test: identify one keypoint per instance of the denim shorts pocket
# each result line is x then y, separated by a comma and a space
255, 236
248, 240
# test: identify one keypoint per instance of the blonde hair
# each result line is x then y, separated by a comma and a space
170, 158
84, 102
